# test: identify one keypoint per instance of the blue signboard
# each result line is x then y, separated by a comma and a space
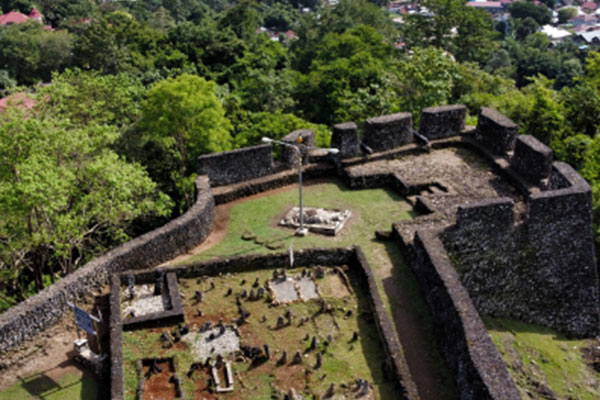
84, 320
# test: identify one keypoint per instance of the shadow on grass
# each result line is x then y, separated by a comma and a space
414, 325
41, 386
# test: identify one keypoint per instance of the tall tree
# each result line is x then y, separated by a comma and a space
30, 54
464, 31
184, 113
64, 196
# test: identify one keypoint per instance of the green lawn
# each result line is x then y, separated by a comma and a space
540, 360
40, 386
372, 209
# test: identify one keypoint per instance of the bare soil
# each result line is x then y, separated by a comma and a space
157, 386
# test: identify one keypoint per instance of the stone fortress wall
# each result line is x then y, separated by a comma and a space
537, 265
46, 308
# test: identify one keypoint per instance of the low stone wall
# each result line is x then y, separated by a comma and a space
169, 316
395, 364
444, 121
226, 194
464, 342
43, 310
237, 165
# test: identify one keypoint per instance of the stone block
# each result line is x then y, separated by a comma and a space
288, 155
532, 159
495, 131
444, 121
388, 131
345, 139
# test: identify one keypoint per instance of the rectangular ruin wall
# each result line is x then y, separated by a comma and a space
464, 342
543, 270
395, 363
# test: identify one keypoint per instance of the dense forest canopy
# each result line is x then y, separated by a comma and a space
110, 103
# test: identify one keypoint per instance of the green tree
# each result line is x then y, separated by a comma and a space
347, 15
546, 120
118, 43
185, 114
64, 197
475, 36
59, 12
525, 27
30, 54
426, 79
87, 97
251, 127
243, 19
464, 31
6, 82
540, 13
344, 64
213, 51
565, 14
161, 20
279, 16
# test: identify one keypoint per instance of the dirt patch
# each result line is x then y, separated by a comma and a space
334, 286
158, 385
591, 354
51, 353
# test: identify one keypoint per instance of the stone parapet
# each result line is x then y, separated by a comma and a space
388, 131
444, 121
495, 131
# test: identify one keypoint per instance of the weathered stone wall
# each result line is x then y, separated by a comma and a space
543, 270
395, 363
495, 131
388, 131
47, 307
561, 240
532, 159
237, 165
464, 342
443, 121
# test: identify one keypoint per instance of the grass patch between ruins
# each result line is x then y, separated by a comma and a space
545, 364
372, 210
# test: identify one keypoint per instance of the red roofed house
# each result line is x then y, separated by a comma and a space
589, 6
15, 17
